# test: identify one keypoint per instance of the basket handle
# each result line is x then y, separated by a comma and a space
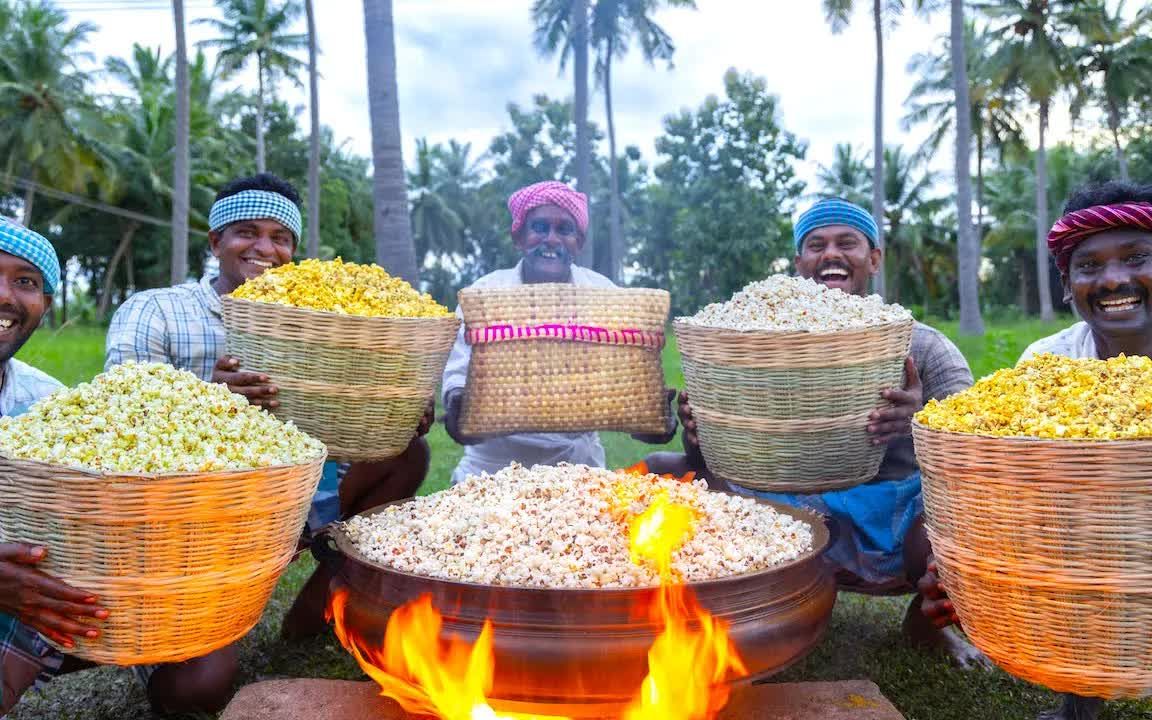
325, 551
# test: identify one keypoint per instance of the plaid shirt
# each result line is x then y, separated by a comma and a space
24, 656
178, 325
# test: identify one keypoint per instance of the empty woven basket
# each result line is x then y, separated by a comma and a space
559, 358
787, 411
359, 384
1045, 548
185, 563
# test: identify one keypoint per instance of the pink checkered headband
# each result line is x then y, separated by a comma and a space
1075, 227
524, 200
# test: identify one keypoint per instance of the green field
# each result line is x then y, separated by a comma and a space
864, 640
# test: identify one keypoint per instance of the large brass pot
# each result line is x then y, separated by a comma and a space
583, 652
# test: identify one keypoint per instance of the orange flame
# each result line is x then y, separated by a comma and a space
689, 665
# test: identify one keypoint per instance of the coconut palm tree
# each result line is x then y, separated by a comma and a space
182, 152
313, 137
259, 30
884, 13
567, 36
994, 109
43, 102
1118, 52
847, 178
392, 227
967, 241
1034, 57
615, 24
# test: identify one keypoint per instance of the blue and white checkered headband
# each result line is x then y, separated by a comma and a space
834, 212
255, 205
31, 246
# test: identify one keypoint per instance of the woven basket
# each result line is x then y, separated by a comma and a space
559, 358
359, 384
1045, 548
787, 412
185, 563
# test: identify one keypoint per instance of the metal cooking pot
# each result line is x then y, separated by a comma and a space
583, 652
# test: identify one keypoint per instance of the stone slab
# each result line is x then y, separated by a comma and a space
346, 700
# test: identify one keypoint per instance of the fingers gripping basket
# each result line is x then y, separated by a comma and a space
359, 384
787, 411
560, 358
1045, 548
185, 563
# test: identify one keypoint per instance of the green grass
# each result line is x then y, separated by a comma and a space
863, 641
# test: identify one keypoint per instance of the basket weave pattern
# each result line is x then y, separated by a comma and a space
185, 563
359, 384
549, 385
1045, 549
787, 412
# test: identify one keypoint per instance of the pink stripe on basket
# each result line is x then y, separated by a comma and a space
577, 333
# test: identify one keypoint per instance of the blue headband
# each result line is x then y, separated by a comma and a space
255, 205
31, 246
834, 212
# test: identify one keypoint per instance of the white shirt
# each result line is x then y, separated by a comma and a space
23, 386
1075, 342
526, 448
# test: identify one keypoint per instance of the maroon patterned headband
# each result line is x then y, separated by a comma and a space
1070, 230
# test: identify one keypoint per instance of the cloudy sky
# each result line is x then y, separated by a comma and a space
461, 61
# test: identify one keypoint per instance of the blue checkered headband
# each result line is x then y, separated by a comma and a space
31, 246
834, 212
255, 205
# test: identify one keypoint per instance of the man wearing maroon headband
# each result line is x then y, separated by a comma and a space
1103, 248
549, 228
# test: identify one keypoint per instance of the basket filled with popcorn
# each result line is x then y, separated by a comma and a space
356, 353
172, 500
782, 378
1038, 500
554, 357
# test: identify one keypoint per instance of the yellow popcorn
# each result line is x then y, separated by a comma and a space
153, 418
340, 287
1054, 397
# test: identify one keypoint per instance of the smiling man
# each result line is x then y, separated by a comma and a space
1103, 249
880, 546
549, 228
254, 225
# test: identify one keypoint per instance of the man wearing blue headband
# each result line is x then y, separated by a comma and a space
880, 546
255, 225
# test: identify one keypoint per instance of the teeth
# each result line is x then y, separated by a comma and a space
261, 263
834, 274
1121, 301
5, 324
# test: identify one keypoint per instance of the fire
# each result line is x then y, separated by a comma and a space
689, 665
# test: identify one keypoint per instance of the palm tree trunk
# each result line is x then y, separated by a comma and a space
260, 164
113, 266
616, 259
980, 187
314, 139
1114, 126
29, 203
878, 144
182, 154
580, 113
967, 241
1043, 286
63, 291
391, 225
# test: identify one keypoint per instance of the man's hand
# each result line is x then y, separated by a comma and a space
255, 386
688, 422
936, 606
893, 422
42, 602
427, 420
453, 406
669, 427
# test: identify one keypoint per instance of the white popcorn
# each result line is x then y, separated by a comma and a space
554, 527
782, 303
153, 418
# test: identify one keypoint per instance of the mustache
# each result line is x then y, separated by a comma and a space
560, 250
15, 310
1122, 291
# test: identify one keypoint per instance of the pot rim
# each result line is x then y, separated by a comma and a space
821, 538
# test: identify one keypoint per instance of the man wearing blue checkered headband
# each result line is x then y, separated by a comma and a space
255, 225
